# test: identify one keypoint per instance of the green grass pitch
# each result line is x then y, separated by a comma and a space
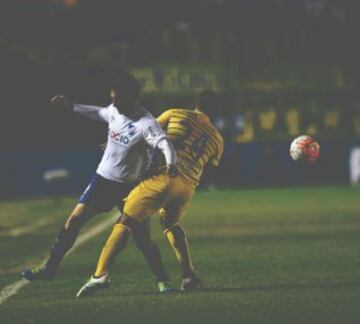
265, 256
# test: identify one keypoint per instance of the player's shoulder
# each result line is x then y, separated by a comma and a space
111, 112
215, 135
179, 111
110, 108
146, 119
143, 115
210, 127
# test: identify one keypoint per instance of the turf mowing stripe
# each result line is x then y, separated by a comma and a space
27, 229
12, 289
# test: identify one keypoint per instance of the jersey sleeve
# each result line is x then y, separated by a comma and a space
93, 112
215, 161
104, 114
155, 136
164, 118
152, 132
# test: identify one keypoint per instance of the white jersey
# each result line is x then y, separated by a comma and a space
130, 142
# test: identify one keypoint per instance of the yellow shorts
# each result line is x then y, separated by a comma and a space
170, 196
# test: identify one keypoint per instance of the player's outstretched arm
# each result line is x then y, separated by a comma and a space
62, 102
92, 112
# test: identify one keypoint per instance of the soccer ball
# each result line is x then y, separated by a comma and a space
304, 148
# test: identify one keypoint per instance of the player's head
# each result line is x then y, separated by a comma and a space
124, 91
207, 102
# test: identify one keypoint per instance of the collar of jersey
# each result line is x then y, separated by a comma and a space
136, 115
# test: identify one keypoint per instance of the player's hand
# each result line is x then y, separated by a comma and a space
103, 146
171, 170
61, 101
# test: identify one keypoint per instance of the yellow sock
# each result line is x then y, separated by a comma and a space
114, 244
177, 239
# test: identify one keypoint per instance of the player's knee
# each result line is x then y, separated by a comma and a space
141, 234
167, 223
178, 233
72, 222
127, 222
79, 209
77, 218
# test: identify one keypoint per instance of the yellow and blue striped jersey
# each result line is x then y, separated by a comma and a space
196, 140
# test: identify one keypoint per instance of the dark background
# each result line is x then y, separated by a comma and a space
272, 55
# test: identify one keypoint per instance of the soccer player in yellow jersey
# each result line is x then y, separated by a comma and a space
197, 144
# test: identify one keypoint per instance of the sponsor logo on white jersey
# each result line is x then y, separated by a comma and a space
117, 137
131, 129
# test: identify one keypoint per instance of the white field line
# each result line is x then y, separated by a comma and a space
27, 229
13, 289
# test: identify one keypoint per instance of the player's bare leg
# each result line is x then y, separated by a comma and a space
62, 243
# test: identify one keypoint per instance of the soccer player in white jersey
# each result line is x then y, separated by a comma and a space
133, 134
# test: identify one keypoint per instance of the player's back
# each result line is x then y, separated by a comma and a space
196, 140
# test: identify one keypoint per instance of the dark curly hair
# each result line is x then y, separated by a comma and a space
128, 85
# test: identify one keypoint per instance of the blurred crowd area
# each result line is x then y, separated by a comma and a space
255, 115
280, 67
245, 32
